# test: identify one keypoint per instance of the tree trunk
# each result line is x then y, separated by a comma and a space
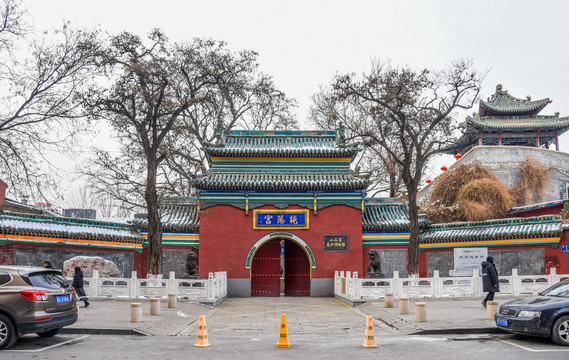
413, 255
154, 223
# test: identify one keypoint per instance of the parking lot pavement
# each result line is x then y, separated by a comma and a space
444, 316
113, 316
256, 316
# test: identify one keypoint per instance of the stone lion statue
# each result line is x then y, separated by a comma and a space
374, 266
192, 265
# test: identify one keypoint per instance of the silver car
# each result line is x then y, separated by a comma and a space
34, 300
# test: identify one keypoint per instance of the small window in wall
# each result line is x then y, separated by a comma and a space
567, 190
5, 278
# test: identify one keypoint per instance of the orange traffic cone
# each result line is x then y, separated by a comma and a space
202, 334
283, 335
369, 340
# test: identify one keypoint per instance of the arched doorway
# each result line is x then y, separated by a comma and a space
296, 270
266, 269
276, 259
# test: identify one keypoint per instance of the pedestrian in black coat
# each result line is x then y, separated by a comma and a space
490, 282
78, 285
48, 264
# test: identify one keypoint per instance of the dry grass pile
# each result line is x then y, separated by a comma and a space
467, 193
534, 180
484, 199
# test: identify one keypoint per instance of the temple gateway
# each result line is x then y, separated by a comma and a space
281, 212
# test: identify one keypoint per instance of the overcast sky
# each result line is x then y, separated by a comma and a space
302, 44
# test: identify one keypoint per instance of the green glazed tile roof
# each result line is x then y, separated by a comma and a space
178, 214
244, 143
66, 228
515, 228
285, 182
502, 103
387, 214
543, 123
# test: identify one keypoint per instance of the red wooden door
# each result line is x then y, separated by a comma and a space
265, 270
297, 270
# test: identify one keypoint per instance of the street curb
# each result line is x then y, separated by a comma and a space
85, 331
460, 331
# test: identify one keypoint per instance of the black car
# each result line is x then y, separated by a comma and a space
544, 315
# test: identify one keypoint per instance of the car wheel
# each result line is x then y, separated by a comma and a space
560, 331
7, 332
49, 333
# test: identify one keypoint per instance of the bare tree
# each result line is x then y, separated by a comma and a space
38, 110
240, 97
143, 102
12, 23
327, 110
414, 109
164, 103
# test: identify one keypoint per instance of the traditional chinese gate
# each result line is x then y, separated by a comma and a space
265, 270
297, 270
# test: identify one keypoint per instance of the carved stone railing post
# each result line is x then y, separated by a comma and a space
515, 282
349, 285
172, 284
133, 285
336, 282
553, 277
397, 286
209, 287
476, 283
436, 285
95, 284
357, 287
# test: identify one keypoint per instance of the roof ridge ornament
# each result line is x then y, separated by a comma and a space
341, 134
220, 134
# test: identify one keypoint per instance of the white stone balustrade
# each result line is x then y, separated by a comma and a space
210, 289
353, 288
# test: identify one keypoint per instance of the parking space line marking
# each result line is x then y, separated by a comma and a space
50, 347
532, 350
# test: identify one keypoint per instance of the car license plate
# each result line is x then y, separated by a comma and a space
502, 321
63, 299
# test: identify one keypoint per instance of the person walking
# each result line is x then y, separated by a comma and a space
490, 281
78, 285
48, 264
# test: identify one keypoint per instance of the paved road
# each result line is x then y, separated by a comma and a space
318, 328
404, 347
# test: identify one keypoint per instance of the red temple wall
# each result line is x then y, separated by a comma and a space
227, 235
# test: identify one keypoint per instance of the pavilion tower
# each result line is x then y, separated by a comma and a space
506, 120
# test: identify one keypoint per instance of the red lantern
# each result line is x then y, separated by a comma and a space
444, 168
428, 181
458, 157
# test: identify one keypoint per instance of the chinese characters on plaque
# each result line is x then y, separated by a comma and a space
271, 219
335, 242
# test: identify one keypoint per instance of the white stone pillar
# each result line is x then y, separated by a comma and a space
397, 285
133, 285
437, 285
95, 284
515, 283
209, 287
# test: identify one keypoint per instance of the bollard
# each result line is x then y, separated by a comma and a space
172, 301
388, 300
154, 306
136, 312
403, 305
491, 309
420, 312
